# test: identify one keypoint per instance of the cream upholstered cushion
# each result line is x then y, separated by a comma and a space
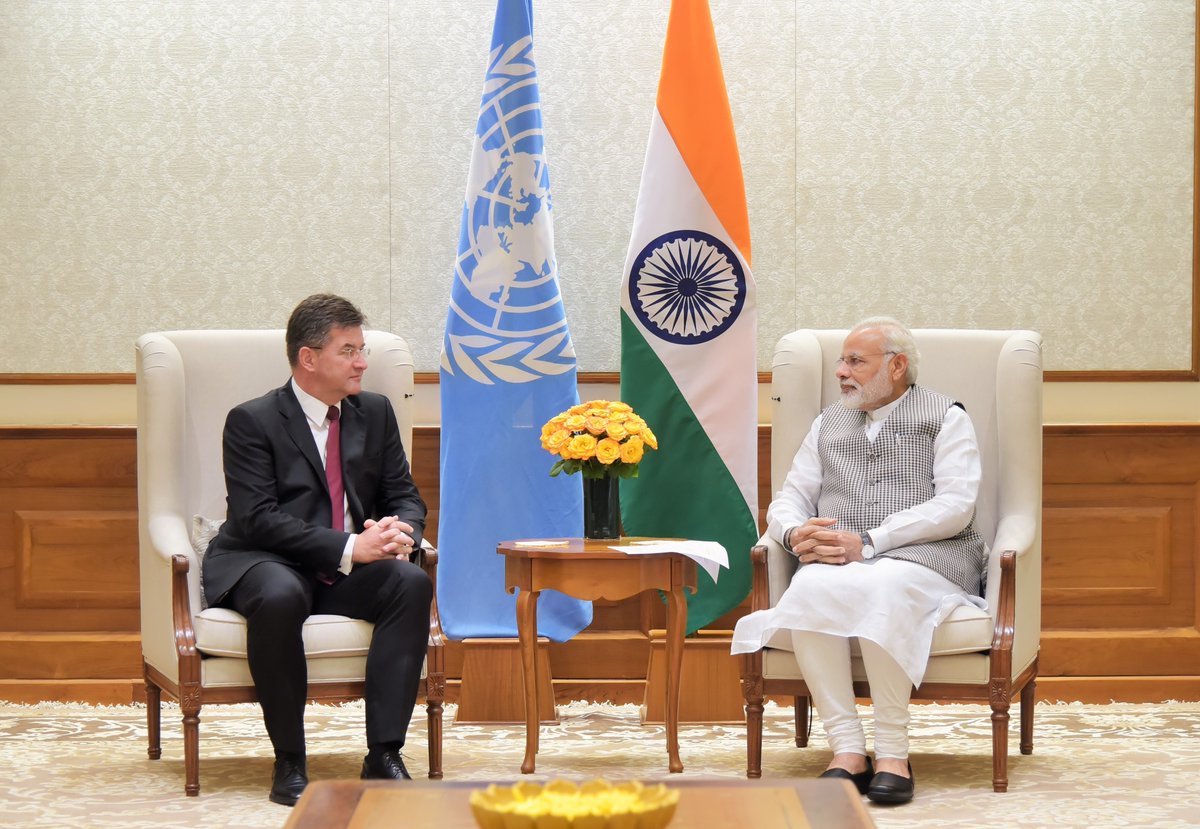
222, 632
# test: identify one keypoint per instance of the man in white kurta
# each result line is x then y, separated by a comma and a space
878, 508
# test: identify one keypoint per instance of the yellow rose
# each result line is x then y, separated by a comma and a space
618, 406
596, 425
607, 451
631, 450
582, 447
555, 442
575, 422
616, 430
619, 417
634, 425
597, 411
553, 425
649, 437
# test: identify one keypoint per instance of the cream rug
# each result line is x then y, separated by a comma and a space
1093, 765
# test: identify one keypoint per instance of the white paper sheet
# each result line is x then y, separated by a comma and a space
710, 555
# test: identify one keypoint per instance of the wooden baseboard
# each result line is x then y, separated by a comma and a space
493, 689
710, 686
1105, 689
89, 691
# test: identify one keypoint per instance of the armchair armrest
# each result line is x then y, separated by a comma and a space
760, 598
427, 557
185, 632
169, 537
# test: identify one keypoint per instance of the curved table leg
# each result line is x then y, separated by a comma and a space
527, 636
676, 624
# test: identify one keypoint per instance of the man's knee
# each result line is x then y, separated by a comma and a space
279, 598
405, 581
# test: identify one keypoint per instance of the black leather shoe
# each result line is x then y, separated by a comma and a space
290, 780
861, 780
386, 765
892, 788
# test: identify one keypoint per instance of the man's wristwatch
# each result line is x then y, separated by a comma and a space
868, 550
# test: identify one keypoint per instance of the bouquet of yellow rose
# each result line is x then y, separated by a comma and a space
599, 439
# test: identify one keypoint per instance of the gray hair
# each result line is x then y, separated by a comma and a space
898, 339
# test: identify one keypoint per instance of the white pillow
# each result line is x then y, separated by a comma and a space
203, 532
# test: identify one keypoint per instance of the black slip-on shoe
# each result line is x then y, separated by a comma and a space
861, 780
892, 788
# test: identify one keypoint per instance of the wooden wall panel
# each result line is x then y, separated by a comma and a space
1121, 615
68, 563
76, 559
1121, 544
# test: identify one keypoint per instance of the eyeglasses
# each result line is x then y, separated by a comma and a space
856, 361
348, 352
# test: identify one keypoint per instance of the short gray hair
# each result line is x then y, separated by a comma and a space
897, 338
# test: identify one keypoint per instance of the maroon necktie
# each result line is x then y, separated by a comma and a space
333, 469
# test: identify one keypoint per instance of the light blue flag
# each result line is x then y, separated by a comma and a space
508, 364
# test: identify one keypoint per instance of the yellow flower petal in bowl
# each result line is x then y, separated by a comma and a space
562, 804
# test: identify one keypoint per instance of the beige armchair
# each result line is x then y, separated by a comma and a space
976, 656
187, 381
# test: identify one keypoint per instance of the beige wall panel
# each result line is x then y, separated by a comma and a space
190, 164
205, 163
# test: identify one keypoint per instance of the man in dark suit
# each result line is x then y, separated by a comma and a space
323, 516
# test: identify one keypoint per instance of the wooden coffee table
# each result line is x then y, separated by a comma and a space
714, 803
591, 569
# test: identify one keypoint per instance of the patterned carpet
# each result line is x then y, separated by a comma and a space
1093, 766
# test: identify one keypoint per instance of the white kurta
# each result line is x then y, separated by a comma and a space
896, 604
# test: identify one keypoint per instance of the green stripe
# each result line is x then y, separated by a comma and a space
683, 490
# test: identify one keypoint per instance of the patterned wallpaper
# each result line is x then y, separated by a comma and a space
207, 163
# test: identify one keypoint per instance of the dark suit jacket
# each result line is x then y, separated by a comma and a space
277, 496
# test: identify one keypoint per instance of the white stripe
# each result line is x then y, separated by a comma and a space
719, 378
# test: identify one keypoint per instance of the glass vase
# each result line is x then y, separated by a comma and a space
601, 508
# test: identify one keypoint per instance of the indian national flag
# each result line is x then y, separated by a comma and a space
689, 320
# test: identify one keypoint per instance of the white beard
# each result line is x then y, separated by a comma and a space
872, 391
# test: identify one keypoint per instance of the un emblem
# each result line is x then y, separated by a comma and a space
507, 323
687, 287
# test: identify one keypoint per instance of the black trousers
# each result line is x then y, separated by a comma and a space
394, 595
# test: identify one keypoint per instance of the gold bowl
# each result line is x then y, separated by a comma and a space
561, 804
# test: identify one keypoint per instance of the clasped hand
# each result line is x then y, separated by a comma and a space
389, 537
815, 542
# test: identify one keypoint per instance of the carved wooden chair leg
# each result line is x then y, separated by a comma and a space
153, 721
434, 708
801, 704
754, 727
191, 748
1000, 720
1027, 703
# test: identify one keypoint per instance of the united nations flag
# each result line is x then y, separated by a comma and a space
508, 364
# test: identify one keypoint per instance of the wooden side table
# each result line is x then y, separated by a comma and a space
590, 569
